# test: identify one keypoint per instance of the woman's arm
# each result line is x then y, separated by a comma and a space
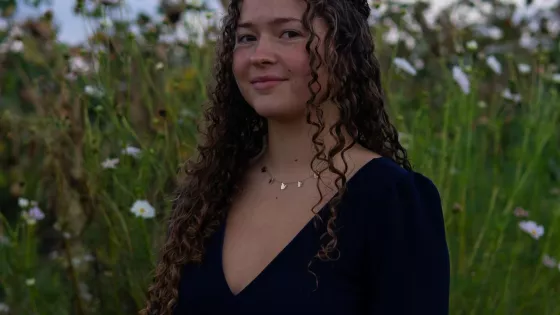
407, 250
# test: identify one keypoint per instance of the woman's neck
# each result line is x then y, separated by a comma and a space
290, 148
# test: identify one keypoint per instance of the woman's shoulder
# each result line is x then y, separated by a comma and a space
382, 185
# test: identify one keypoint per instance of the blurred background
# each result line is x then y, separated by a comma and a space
99, 101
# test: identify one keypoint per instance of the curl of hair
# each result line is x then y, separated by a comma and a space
235, 133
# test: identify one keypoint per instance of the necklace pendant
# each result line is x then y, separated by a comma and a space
299, 184
283, 186
315, 175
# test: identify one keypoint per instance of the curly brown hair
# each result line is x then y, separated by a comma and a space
235, 133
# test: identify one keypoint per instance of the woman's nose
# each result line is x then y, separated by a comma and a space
264, 53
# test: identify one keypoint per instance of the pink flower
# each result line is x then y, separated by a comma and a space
520, 212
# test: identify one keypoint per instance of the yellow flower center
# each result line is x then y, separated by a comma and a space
142, 210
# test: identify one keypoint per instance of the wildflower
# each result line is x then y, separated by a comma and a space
391, 37
78, 64
33, 215
4, 308
553, 27
419, 64
106, 22
520, 212
524, 68
30, 281
535, 230
36, 213
528, 42
405, 139
16, 46
404, 65
556, 78
507, 94
84, 292
132, 151
143, 209
93, 91
549, 261
23, 203
472, 45
461, 78
518, 16
159, 65
494, 64
110, 163
493, 32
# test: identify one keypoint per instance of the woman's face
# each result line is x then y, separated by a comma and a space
270, 62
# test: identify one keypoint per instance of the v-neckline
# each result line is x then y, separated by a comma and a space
288, 245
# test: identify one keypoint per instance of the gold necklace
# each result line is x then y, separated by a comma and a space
284, 185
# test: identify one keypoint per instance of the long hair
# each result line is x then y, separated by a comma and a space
234, 134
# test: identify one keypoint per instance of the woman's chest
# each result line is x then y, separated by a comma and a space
293, 280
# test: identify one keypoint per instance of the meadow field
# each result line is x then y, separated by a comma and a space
92, 138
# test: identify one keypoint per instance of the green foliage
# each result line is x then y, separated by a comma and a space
88, 131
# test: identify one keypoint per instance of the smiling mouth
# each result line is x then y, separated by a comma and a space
266, 84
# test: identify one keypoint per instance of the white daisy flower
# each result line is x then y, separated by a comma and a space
549, 261
528, 42
462, 80
392, 36
110, 163
132, 151
93, 91
79, 65
507, 94
30, 282
494, 64
532, 228
524, 68
23, 203
472, 45
16, 46
404, 65
143, 209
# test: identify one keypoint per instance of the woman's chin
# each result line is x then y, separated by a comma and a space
279, 112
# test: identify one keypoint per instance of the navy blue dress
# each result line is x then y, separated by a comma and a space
393, 258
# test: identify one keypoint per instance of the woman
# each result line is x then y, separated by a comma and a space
302, 200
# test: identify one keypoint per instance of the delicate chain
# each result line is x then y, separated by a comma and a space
284, 185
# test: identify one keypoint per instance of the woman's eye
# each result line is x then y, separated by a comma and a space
244, 38
290, 34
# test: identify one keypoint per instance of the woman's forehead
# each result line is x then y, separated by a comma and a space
264, 11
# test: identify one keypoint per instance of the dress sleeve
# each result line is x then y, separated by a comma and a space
408, 257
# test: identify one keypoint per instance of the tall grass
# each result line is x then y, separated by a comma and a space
86, 145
